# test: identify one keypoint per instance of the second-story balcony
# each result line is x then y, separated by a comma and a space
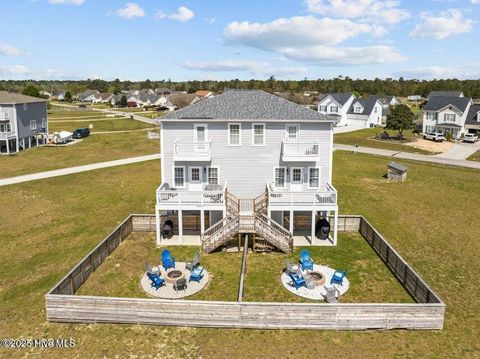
192, 151
210, 196
306, 199
7, 135
300, 151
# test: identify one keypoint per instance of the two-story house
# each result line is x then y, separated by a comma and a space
365, 113
336, 105
446, 115
246, 162
386, 102
472, 123
23, 122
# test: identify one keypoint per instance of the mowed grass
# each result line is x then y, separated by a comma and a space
118, 124
474, 157
95, 148
48, 226
370, 280
120, 275
366, 138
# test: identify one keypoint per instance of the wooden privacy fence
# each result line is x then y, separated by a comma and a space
63, 306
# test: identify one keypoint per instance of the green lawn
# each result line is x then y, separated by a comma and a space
119, 124
366, 138
95, 148
370, 280
48, 226
474, 157
120, 275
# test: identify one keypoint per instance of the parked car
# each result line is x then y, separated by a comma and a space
81, 133
434, 136
470, 137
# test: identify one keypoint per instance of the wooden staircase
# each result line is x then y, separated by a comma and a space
246, 216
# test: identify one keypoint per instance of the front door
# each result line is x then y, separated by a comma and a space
200, 137
296, 179
195, 178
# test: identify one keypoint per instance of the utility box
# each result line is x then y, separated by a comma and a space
396, 172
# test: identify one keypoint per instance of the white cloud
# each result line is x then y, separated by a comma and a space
469, 71
442, 25
183, 14
313, 40
475, 1
66, 2
252, 67
376, 11
23, 72
131, 10
8, 50
14, 70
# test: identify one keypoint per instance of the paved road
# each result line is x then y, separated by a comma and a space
409, 156
78, 169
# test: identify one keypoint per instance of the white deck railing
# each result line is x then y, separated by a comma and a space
192, 151
294, 151
171, 197
5, 135
307, 198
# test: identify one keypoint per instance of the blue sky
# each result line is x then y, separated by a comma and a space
213, 39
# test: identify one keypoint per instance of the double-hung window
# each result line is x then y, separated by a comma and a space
212, 175
258, 134
234, 138
25, 107
280, 177
44, 123
334, 109
292, 132
322, 108
449, 117
33, 125
313, 177
179, 176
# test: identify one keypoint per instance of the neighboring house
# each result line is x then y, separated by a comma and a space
58, 95
23, 122
445, 94
337, 105
365, 113
183, 100
100, 98
472, 123
246, 162
386, 102
414, 98
152, 100
163, 91
46, 94
144, 92
204, 93
87, 96
446, 115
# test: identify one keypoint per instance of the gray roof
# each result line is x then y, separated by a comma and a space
472, 118
398, 167
367, 103
439, 102
247, 105
341, 98
445, 94
12, 98
384, 100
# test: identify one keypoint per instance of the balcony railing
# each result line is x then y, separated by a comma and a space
192, 151
300, 151
173, 198
7, 135
310, 198
3, 115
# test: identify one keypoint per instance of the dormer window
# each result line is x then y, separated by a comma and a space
334, 109
357, 109
322, 108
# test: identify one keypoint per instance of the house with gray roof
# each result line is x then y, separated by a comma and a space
446, 115
445, 94
386, 102
23, 122
365, 113
336, 105
246, 162
472, 122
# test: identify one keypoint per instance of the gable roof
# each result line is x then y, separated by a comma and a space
445, 94
438, 102
203, 93
341, 98
12, 98
384, 100
367, 103
472, 118
183, 100
247, 105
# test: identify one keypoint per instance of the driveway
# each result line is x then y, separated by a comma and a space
460, 151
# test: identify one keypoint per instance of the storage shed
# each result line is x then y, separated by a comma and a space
396, 172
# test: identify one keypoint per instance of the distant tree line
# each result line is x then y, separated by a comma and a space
362, 87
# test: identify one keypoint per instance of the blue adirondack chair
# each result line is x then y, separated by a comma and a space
196, 274
305, 261
167, 260
157, 281
297, 280
338, 276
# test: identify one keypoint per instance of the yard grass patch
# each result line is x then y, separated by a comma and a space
474, 157
119, 124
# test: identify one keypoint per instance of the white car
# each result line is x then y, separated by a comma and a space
434, 136
470, 137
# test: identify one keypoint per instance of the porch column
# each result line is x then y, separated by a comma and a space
202, 221
291, 221
29, 142
17, 145
8, 146
180, 225
335, 227
312, 238
157, 218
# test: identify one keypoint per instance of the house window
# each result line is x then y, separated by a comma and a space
313, 177
429, 129
179, 176
296, 175
357, 109
292, 132
432, 116
33, 125
25, 107
280, 177
258, 134
449, 117
322, 108
44, 123
195, 174
234, 134
212, 175
375, 109
200, 133
334, 109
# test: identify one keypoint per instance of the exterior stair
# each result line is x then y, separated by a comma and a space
246, 216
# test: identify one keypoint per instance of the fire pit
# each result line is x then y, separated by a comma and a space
318, 278
173, 275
